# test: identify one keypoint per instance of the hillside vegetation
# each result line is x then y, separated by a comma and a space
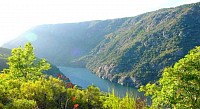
62, 43
138, 52
24, 86
130, 51
5, 53
179, 86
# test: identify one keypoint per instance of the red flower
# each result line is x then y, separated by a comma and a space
69, 85
66, 78
75, 106
59, 76
73, 98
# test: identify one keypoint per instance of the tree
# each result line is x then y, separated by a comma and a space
92, 94
23, 63
179, 86
22, 104
23, 85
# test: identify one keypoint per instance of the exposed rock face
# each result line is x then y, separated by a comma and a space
104, 72
129, 51
107, 72
125, 80
145, 45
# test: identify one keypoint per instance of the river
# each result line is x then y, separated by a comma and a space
84, 77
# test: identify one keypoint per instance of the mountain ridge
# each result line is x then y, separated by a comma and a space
142, 70
129, 51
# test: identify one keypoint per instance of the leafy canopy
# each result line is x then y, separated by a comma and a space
179, 86
23, 86
22, 63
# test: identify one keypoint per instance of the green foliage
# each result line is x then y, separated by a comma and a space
146, 44
139, 47
23, 86
67, 41
88, 98
113, 102
179, 86
22, 104
22, 63
5, 53
92, 98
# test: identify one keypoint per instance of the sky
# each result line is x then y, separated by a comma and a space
17, 16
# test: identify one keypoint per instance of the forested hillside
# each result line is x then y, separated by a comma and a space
179, 86
130, 51
137, 53
62, 43
24, 86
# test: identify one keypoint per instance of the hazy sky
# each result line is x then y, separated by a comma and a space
17, 16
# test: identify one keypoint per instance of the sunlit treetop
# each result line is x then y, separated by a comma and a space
23, 63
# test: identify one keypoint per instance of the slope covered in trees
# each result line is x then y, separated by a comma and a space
130, 51
179, 86
62, 43
137, 53
24, 86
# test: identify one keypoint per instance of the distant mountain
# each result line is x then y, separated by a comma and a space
5, 53
130, 51
62, 43
137, 53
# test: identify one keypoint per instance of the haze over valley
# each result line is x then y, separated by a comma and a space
129, 51
153, 51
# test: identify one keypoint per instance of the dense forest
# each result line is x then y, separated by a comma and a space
137, 53
129, 51
179, 86
23, 85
